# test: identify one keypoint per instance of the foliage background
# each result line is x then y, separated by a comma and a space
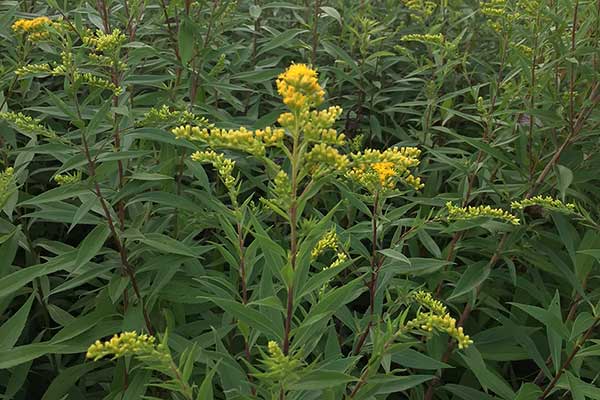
527, 295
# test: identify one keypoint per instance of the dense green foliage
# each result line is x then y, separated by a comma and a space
168, 182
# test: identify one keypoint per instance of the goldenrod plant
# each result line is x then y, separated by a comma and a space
338, 200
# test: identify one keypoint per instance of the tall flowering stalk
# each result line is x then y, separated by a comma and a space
312, 151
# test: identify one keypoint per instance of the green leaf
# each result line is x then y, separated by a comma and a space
206, 389
167, 244
394, 384
186, 40
253, 318
281, 40
467, 393
413, 359
333, 13
471, 278
529, 391
487, 379
22, 354
91, 245
66, 379
15, 281
550, 320
322, 379
12, 328
396, 256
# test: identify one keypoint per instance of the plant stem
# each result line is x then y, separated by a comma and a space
372, 285
293, 234
532, 98
315, 32
569, 359
128, 269
487, 135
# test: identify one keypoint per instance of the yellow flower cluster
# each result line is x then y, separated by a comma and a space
36, 28
222, 164
437, 39
385, 170
531, 7
279, 367
129, 344
33, 69
299, 87
6, 177
282, 189
381, 170
164, 115
436, 318
316, 125
340, 258
429, 321
324, 158
270, 136
422, 8
498, 15
524, 49
105, 43
189, 132
328, 241
546, 202
66, 179
253, 142
471, 212
426, 299
94, 81
26, 124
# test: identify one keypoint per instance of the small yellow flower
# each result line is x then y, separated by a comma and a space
384, 170
471, 212
30, 25
35, 28
129, 343
328, 241
222, 164
546, 202
381, 170
299, 87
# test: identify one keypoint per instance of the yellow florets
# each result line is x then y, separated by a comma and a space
270, 136
546, 202
222, 164
6, 178
328, 241
129, 344
299, 87
34, 28
437, 318
253, 142
280, 367
107, 43
66, 179
384, 170
282, 190
421, 8
381, 170
437, 39
26, 124
428, 321
426, 299
324, 158
524, 49
317, 126
472, 212
164, 115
